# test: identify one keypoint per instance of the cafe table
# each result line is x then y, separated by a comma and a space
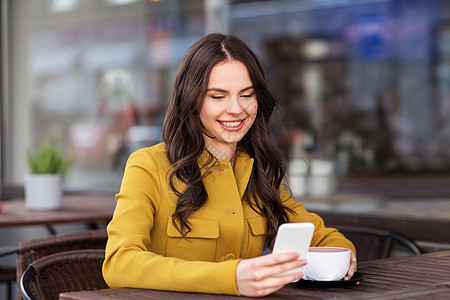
76, 208
425, 276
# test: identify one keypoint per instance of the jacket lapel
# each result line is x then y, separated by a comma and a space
243, 167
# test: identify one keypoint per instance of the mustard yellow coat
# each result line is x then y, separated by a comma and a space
144, 249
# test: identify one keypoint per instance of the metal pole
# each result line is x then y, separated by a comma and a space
1, 97
4, 89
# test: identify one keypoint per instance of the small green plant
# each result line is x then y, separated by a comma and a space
48, 159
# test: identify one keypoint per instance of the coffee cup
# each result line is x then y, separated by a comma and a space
326, 263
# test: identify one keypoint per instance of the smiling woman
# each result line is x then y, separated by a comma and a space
193, 213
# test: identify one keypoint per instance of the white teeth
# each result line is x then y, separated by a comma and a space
231, 124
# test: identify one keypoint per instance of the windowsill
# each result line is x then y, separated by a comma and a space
404, 186
416, 206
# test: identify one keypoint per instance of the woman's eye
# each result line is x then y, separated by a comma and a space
247, 96
217, 97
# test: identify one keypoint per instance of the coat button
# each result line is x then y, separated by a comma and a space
230, 256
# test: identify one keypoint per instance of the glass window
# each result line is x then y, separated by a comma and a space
363, 85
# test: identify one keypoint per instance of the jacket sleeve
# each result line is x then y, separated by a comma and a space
128, 261
323, 236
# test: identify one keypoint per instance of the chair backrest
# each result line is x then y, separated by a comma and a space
67, 271
373, 243
32, 250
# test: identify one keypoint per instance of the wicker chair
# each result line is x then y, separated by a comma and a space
372, 243
67, 271
30, 251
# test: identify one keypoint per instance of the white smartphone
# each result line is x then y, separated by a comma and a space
294, 237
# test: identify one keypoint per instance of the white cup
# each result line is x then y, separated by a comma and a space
326, 263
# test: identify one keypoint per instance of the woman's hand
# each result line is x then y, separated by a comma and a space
255, 277
351, 269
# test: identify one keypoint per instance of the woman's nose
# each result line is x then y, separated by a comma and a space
234, 106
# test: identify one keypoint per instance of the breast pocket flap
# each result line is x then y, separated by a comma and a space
200, 228
257, 226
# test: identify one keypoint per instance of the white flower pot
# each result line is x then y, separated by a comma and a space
43, 191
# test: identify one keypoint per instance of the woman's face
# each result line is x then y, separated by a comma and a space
230, 106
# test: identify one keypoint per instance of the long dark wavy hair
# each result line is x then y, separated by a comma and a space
184, 141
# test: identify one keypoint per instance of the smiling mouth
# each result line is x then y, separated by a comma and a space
232, 125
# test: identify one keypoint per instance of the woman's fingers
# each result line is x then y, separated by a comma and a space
274, 264
265, 285
275, 259
351, 269
261, 275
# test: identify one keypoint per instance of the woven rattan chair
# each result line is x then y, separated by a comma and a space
372, 243
67, 271
30, 251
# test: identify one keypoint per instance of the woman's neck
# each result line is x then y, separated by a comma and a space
222, 153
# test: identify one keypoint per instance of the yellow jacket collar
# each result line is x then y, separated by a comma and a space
243, 166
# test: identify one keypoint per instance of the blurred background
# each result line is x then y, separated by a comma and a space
364, 85
364, 90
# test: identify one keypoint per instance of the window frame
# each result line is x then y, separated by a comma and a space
7, 191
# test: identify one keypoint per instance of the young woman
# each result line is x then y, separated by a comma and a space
194, 212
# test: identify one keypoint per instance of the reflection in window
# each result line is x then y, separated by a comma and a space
362, 84
62, 6
119, 2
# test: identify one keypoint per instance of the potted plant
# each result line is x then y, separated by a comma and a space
43, 185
